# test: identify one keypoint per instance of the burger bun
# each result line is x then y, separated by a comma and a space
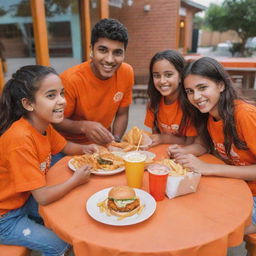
122, 192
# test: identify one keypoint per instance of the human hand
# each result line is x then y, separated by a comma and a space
156, 139
97, 133
82, 175
90, 149
194, 164
175, 150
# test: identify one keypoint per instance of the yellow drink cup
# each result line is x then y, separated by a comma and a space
134, 168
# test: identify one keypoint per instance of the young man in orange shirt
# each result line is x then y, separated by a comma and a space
99, 91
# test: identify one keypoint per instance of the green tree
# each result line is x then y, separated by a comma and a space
237, 15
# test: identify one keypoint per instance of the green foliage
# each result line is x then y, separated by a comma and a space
241, 17
198, 22
237, 15
215, 18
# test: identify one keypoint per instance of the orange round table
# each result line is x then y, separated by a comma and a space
206, 222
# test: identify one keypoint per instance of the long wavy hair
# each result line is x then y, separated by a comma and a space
211, 69
24, 83
177, 60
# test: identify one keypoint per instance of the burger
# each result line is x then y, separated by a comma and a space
122, 200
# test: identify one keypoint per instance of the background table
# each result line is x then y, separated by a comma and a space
239, 68
203, 223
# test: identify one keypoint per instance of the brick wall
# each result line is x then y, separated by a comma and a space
149, 32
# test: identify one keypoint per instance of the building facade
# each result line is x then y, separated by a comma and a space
44, 29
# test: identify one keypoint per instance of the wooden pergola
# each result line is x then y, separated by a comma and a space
40, 31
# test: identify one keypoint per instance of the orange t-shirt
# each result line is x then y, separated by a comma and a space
169, 119
93, 99
245, 119
25, 156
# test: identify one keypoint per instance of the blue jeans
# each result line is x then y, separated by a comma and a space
21, 227
254, 210
56, 158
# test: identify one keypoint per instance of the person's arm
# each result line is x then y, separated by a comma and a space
78, 149
238, 172
120, 122
195, 147
94, 131
169, 139
48, 194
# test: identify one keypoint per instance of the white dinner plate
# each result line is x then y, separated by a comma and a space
94, 211
101, 172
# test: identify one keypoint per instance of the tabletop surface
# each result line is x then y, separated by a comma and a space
229, 62
197, 224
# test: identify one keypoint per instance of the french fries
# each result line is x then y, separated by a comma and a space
98, 161
103, 207
125, 146
140, 209
79, 161
176, 169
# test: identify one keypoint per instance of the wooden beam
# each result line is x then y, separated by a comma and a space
104, 10
40, 32
86, 27
1, 77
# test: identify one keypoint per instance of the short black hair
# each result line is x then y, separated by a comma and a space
111, 29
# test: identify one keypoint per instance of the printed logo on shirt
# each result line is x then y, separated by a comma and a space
118, 96
173, 128
234, 157
44, 166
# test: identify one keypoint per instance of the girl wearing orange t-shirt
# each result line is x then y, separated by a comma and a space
164, 114
30, 102
225, 121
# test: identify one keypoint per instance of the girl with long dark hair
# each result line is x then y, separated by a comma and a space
225, 121
31, 100
164, 113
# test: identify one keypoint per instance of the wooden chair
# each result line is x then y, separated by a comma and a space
11, 250
250, 244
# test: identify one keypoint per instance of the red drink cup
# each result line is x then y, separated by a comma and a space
158, 174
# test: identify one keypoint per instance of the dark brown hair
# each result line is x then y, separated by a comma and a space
24, 84
211, 69
177, 60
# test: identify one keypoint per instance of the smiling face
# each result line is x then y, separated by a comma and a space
107, 56
204, 94
48, 106
166, 79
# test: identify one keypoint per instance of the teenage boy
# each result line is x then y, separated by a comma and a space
99, 91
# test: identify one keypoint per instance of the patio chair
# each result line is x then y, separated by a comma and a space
11, 250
